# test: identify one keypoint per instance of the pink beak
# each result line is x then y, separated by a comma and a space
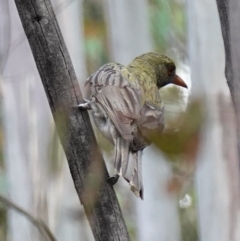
178, 81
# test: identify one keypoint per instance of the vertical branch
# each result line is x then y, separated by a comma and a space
229, 13
74, 128
234, 18
223, 10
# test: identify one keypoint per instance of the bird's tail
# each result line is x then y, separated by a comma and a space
129, 165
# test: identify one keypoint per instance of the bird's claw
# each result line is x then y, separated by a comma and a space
113, 180
84, 105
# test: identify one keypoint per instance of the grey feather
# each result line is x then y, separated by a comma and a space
133, 173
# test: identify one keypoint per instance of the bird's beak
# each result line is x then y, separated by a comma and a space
178, 81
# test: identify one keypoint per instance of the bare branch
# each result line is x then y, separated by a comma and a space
38, 223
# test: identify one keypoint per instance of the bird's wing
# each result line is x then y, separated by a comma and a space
119, 98
153, 116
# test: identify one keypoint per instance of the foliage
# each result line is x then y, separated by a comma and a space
184, 138
167, 24
96, 48
188, 217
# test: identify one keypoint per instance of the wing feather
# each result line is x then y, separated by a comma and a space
117, 107
121, 99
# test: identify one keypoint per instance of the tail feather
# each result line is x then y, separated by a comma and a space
121, 155
136, 181
129, 165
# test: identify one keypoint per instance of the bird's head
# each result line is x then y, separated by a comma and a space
164, 68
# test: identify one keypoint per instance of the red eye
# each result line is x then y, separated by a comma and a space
171, 70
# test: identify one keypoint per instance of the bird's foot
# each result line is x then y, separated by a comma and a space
85, 105
113, 180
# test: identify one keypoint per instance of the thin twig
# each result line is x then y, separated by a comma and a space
37, 222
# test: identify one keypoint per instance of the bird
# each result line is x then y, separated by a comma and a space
127, 107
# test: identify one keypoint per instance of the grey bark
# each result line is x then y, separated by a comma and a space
74, 128
223, 11
229, 13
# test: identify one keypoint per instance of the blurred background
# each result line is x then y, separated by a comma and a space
190, 175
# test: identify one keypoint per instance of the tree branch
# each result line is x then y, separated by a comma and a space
74, 129
38, 223
223, 10
229, 13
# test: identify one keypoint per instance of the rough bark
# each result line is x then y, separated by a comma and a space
229, 13
74, 128
223, 11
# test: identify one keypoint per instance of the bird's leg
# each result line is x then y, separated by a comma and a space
113, 180
85, 105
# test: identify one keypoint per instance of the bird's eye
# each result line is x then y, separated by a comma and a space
171, 70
